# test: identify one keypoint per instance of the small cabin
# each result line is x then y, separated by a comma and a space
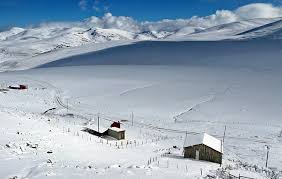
23, 86
203, 147
116, 133
18, 87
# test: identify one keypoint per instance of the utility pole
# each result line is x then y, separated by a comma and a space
224, 134
67, 105
222, 143
132, 117
183, 151
98, 122
267, 154
186, 133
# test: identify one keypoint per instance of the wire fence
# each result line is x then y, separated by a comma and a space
231, 176
117, 144
163, 161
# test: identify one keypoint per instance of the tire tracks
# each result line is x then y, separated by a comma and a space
58, 92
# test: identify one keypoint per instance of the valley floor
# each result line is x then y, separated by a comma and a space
156, 104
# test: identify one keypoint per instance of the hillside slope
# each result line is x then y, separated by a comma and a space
225, 31
21, 45
269, 31
232, 53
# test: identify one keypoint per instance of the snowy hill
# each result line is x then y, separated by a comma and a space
19, 45
239, 53
226, 31
269, 31
6, 34
104, 35
240, 25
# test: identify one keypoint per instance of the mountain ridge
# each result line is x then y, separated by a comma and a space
21, 45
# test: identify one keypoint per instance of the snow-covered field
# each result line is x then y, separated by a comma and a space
166, 101
162, 91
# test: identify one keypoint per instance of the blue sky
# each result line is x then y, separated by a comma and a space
31, 12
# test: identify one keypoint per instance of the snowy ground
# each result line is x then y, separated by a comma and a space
13, 63
227, 74
166, 101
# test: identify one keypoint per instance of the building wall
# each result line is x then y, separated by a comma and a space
206, 153
117, 135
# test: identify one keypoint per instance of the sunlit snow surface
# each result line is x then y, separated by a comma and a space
160, 91
188, 98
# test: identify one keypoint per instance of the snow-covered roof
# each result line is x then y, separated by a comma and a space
117, 129
205, 139
95, 128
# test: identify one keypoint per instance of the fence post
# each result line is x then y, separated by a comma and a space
167, 163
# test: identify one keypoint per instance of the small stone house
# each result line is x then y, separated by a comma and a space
116, 133
203, 147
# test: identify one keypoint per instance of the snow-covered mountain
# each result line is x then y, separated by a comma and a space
227, 31
84, 32
19, 45
103, 35
268, 31
13, 31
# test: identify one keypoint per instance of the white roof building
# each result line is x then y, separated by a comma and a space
116, 129
117, 133
205, 139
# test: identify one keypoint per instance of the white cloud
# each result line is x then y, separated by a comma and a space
220, 17
258, 10
117, 22
251, 11
83, 4
108, 21
96, 5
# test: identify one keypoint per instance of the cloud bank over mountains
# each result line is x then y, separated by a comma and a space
251, 11
109, 21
